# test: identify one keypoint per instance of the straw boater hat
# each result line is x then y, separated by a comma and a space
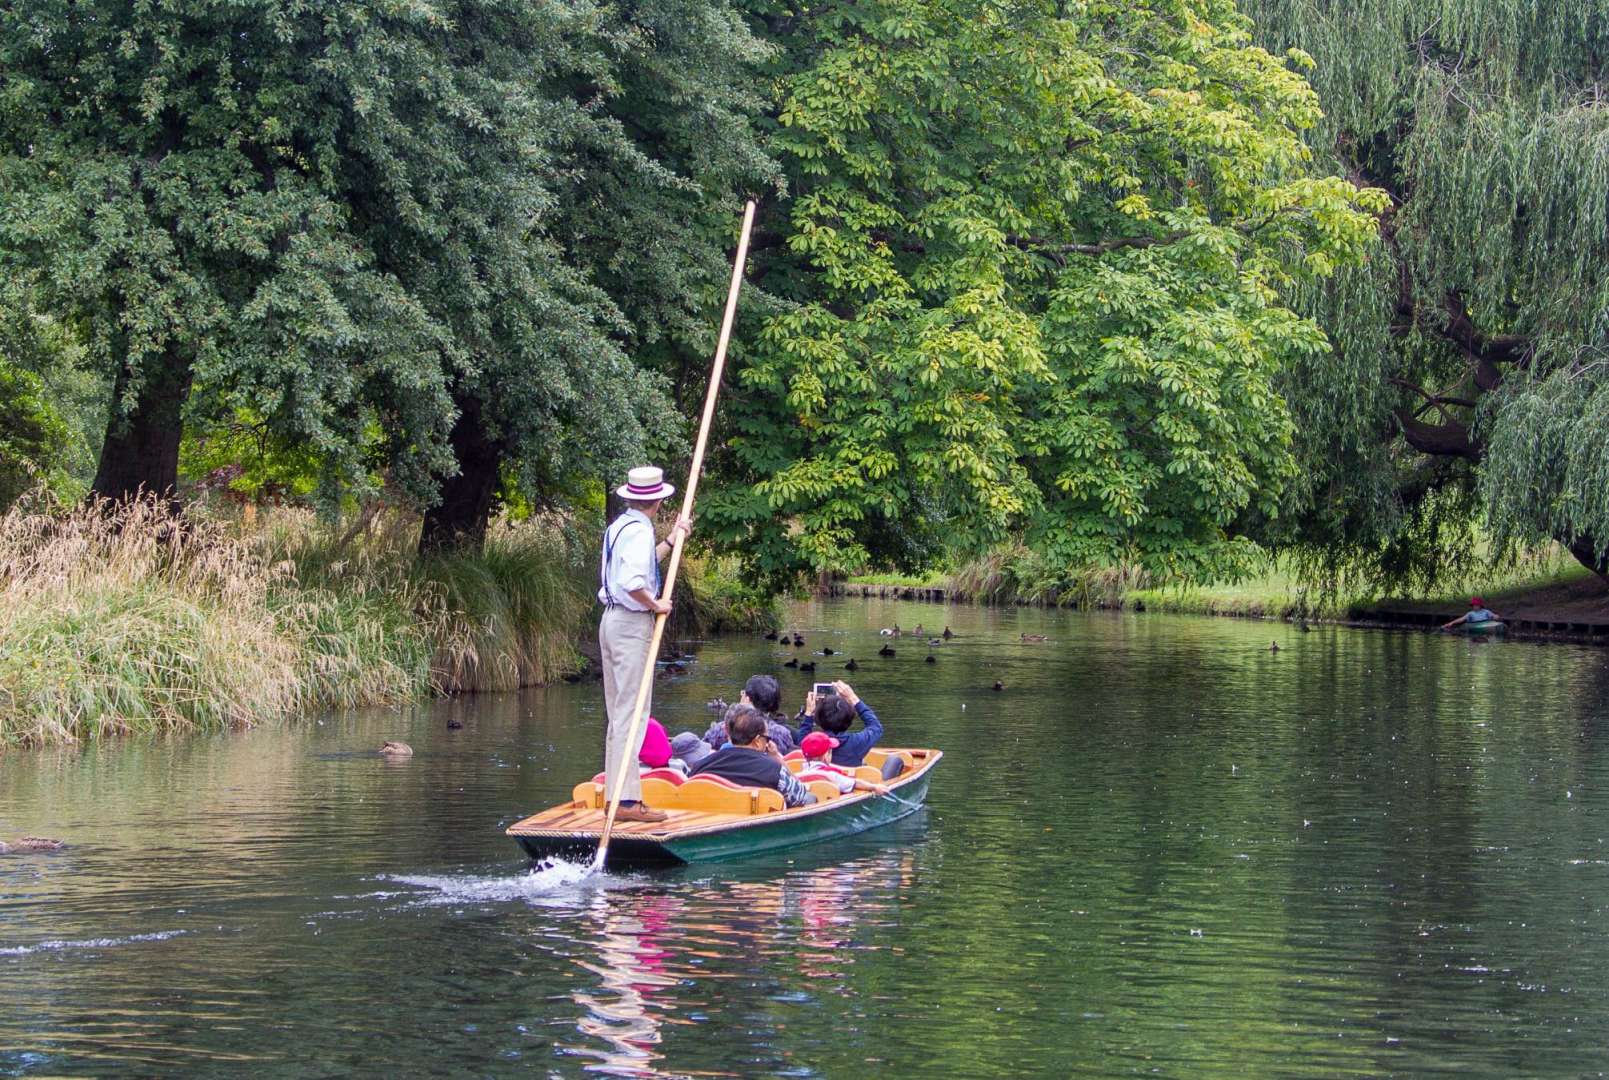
645, 484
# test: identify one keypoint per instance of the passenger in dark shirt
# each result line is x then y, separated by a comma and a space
751, 760
833, 714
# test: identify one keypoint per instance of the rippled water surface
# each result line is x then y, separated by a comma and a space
1160, 850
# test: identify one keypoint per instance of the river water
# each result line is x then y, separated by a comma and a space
1161, 849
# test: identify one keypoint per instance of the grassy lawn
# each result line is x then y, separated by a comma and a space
1552, 579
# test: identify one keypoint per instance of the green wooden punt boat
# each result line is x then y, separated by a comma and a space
707, 819
1490, 626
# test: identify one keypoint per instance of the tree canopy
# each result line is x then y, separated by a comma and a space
1469, 378
1035, 259
1028, 274
374, 224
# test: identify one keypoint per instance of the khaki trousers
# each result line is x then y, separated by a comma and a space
623, 640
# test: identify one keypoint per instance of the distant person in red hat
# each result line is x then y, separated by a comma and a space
1478, 613
817, 749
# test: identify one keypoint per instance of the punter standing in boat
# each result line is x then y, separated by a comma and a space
629, 589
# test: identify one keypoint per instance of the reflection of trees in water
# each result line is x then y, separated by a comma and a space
658, 951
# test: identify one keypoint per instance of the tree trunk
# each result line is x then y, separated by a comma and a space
1591, 554
141, 453
459, 519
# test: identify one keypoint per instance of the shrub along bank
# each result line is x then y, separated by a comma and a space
125, 622
1016, 575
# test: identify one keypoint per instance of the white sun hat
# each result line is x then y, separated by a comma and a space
645, 484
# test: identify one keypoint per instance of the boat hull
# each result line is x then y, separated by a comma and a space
731, 837
1491, 626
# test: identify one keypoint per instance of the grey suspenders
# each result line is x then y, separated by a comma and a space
608, 556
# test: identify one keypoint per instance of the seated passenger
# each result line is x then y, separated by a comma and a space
833, 714
762, 692
817, 750
689, 748
750, 759
655, 752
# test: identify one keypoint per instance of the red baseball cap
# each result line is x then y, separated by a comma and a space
817, 743
1475, 601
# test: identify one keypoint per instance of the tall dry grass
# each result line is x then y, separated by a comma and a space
122, 620
114, 622
117, 621
1013, 574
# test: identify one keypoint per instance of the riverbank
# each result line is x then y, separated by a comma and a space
123, 623
1550, 595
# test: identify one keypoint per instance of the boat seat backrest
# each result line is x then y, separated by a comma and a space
793, 755
704, 794
715, 795
672, 775
869, 773
658, 792
877, 755
823, 790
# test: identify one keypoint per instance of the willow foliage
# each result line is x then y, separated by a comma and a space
1477, 356
1038, 253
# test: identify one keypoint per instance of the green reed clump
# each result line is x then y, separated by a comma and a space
514, 609
1014, 574
117, 620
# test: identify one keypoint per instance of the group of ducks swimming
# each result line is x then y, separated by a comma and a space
797, 639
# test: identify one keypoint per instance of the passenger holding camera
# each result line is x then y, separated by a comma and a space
833, 708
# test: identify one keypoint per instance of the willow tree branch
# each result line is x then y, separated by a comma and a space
1451, 439
1439, 401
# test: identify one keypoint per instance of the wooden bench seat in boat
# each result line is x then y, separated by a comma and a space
875, 757
702, 794
860, 772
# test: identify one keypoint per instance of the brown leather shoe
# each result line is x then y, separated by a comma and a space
639, 812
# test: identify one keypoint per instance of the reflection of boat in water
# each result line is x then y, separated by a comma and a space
709, 818
624, 1014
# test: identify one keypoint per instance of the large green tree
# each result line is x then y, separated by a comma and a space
1469, 380
1034, 263
388, 230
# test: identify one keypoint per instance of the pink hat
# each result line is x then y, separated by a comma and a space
645, 484
817, 743
1475, 601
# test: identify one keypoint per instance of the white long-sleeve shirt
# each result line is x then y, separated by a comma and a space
629, 560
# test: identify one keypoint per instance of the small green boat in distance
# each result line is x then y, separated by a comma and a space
708, 818
1487, 628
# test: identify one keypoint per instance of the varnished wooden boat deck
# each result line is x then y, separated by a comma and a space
567, 820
